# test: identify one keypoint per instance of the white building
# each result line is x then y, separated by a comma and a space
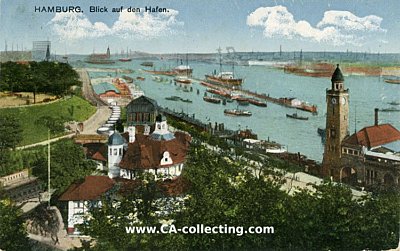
80, 196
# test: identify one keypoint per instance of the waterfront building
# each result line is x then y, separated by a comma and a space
145, 146
371, 156
367, 157
337, 124
141, 113
160, 153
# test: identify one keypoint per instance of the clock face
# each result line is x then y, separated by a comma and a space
333, 100
343, 100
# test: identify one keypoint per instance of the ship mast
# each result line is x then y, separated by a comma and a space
220, 62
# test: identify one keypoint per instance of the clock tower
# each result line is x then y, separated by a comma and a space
337, 125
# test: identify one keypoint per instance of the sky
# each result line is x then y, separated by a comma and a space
204, 25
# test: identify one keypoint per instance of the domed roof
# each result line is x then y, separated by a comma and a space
337, 75
116, 139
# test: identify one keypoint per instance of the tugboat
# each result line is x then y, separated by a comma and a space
212, 100
187, 100
147, 64
237, 112
295, 116
173, 98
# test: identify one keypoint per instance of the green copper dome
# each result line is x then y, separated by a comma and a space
116, 139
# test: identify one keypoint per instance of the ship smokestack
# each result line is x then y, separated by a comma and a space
376, 116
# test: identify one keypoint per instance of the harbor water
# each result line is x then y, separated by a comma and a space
366, 93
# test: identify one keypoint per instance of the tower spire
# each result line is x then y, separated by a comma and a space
337, 125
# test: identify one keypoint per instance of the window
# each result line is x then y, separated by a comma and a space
146, 117
332, 133
120, 151
110, 151
115, 151
78, 204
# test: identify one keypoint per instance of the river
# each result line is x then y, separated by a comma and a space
366, 93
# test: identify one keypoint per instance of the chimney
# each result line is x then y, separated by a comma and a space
132, 132
376, 116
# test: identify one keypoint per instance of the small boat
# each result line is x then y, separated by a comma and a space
140, 78
390, 110
125, 59
394, 103
128, 79
257, 102
147, 64
212, 100
392, 81
295, 116
237, 112
187, 100
182, 80
173, 98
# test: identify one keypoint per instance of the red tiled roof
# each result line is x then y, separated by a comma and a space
374, 136
146, 153
96, 151
92, 188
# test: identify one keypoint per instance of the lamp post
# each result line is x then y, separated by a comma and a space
48, 166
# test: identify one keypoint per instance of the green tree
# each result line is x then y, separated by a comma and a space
10, 132
10, 136
227, 190
68, 164
13, 235
138, 207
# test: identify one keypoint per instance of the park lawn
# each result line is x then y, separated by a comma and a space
33, 131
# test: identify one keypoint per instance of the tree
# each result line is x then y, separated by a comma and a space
10, 136
10, 132
13, 235
106, 224
223, 190
68, 164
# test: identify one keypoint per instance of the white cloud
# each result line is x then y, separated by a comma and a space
143, 25
146, 25
337, 27
348, 21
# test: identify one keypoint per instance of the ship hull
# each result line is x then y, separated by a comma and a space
221, 81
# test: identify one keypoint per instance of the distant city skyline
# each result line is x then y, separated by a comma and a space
203, 26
